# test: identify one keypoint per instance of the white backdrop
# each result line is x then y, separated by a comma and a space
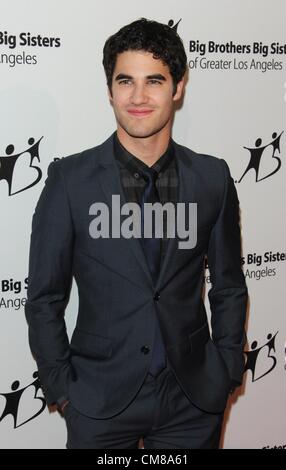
55, 91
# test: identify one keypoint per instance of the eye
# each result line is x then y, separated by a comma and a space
125, 81
154, 81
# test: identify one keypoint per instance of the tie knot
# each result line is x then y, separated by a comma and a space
150, 175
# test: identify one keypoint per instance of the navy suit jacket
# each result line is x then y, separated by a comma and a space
102, 367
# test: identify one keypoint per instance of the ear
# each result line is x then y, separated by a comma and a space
109, 94
180, 88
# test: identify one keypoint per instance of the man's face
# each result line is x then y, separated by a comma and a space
142, 94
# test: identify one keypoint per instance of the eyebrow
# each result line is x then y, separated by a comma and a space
156, 76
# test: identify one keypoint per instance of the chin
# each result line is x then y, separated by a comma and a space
141, 133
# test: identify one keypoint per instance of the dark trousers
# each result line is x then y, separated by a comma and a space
160, 413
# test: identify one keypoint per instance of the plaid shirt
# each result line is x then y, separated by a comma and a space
133, 182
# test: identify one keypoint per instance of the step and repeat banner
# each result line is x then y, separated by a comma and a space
53, 102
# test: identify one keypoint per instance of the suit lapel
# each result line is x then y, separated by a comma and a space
186, 194
109, 178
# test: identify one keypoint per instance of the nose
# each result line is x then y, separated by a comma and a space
139, 95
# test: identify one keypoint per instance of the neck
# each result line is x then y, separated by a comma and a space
147, 149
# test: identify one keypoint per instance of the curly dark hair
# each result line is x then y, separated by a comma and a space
150, 36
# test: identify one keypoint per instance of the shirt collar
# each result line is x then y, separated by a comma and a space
132, 163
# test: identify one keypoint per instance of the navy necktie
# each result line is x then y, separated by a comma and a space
152, 248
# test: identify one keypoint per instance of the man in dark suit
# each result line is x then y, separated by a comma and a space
141, 362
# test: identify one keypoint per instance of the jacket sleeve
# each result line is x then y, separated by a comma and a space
49, 285
228, 294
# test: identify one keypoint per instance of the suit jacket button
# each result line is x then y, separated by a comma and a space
145, 349
156, 296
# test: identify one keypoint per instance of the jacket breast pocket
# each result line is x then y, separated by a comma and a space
90, 345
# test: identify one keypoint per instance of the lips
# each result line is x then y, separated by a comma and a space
140, 112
